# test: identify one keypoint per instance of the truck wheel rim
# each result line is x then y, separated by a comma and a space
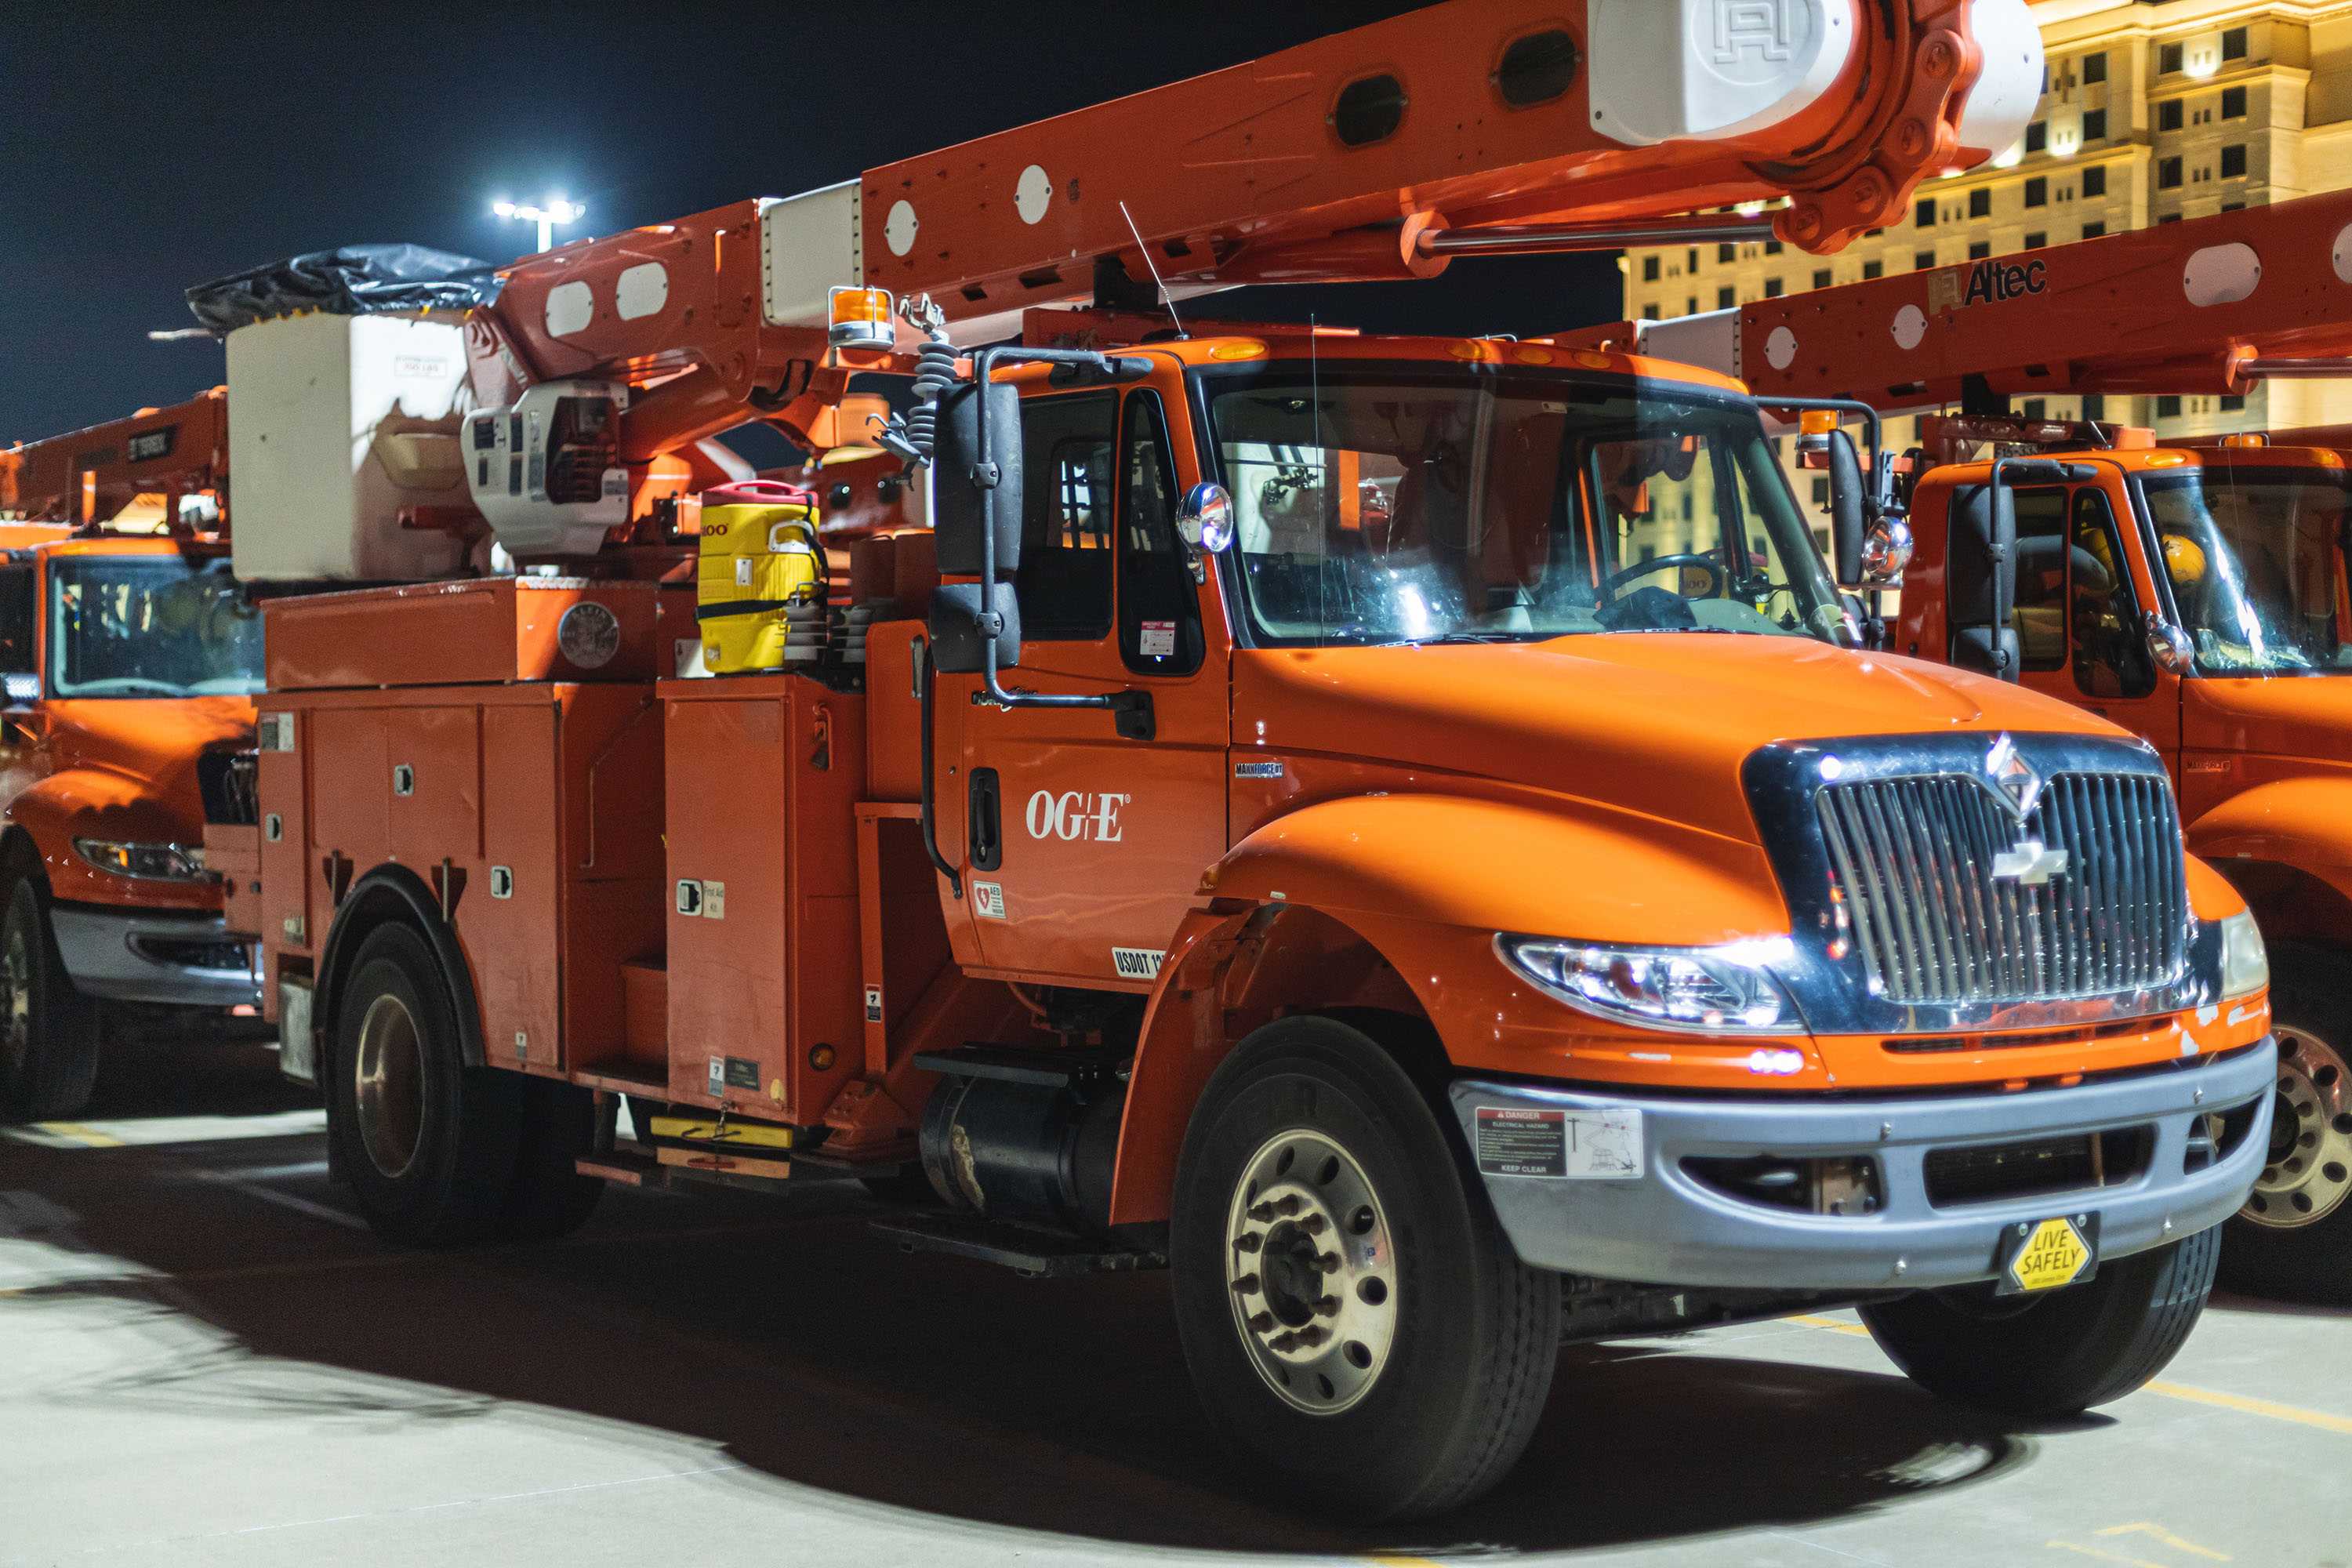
16, 997
389, 1077
1311, 1272
2308, 1173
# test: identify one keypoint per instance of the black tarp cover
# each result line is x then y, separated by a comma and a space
352, 281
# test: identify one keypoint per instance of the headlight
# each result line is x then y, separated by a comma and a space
1719, 990
156, 862
2245, 961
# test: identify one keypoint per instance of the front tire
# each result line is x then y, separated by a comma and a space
2293, 1237
1356, 1324
429, 1145
2057, 1355
49, 1030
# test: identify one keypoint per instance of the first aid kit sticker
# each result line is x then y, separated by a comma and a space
1572, 1145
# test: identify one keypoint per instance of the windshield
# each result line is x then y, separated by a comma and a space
2255, 557
1431, 503
150, 626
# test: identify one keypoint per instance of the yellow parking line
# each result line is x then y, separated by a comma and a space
74, 1132
2270, 1407
1839, 1324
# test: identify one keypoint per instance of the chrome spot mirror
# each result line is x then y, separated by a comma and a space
1205, 519
1886, 552
2172, 648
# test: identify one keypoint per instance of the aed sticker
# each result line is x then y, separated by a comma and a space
1158, 641
1576, 1145
988, 900
874, 1003
732, 1072
1137, 963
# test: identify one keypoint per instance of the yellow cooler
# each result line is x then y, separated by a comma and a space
760, 583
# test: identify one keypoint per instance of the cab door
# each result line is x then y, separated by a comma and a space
2089, 642
24, 755
1084, 846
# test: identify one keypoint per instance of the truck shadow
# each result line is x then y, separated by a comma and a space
833, 1373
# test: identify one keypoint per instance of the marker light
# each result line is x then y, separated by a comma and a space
1713, 990
149, 862
2249, 438
860, 318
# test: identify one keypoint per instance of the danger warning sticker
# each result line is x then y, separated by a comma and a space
1158, 639
1577, 1145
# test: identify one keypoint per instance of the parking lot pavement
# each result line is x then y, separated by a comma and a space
205, 1358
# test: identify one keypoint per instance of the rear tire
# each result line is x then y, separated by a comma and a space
49, 1030
2055, 1355
429, 1145
2293, 1237
1414, 1381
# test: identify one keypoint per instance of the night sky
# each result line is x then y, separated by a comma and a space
143, 149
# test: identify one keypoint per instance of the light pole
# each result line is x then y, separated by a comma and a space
557, 210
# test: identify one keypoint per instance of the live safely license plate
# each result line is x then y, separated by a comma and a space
2044, 1255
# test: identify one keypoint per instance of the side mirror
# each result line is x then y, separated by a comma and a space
2172, 648
1205, 519
2001, 566
1886, 552
976, 527
1846, 494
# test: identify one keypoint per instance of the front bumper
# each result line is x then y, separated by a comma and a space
184, 960
1666, 1227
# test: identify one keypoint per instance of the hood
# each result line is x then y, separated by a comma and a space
2307, 716
151, 743
1660, 722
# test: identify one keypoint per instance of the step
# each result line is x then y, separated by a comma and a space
1028, 1250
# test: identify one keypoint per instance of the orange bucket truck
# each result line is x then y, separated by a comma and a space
1384, 829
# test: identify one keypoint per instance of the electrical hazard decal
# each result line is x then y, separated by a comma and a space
1574, 1145
1137, 963
1158, 641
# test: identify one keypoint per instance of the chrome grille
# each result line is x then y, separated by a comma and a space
1914, 859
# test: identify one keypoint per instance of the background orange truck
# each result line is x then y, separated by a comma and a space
129, 661
1393, 830
2195, 594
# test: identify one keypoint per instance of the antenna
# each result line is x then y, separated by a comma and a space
1165, 302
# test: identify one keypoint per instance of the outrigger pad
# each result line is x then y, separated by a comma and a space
350, 280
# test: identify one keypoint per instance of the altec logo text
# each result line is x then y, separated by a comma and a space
1986, 283
1075, 814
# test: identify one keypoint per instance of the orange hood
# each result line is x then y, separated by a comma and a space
151, 745
2303, 716
1660, 721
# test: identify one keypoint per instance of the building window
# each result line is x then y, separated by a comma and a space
2167, 407
1820, 277
2233, 402
1925, 213
2234, 43
1690, 306
1725, 298
1821, 492
1650, 311
2036, 240
2234, 161
1922, 260
2094, 181
2095, 125
2034, 408
2037, 192
1726, 253
1649, 270
2233, 206
1979, 249
2167, 174
2093, 230
1980, 203
2095, 406
1771, 288
1872, 269
2167, 115
2233, 103
2037, 136
1772, 248
2168, 59
1690, 263
2095, 70
2167, 217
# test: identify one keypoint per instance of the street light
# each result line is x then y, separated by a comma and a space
557, 210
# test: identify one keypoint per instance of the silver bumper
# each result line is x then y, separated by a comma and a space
175, 959
1666, 1227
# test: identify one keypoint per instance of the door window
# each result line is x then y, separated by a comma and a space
1158, 608
2038, 611
2110, 651
1067, 469
17, 619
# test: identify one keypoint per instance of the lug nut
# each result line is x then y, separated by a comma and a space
1330, 1262
1248, 1243
1311, 1336
1285, 1343
1314, 1224
1262, 1322
1328, 1307
1247, 1285
1287, 1206
1262, 1213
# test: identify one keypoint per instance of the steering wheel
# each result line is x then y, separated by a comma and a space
1707, 563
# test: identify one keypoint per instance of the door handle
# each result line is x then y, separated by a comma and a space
987, 821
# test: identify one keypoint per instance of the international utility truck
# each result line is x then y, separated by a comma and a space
1387, 828
128, 657
2193, 592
